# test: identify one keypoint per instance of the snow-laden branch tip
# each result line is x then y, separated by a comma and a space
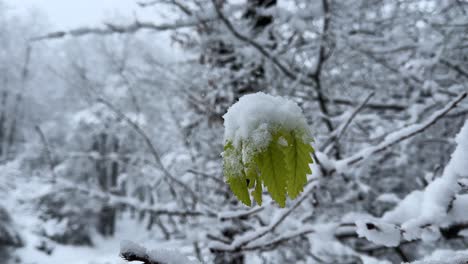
400, 135
133, 252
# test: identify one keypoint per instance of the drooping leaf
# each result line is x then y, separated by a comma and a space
238, 186
273, 171
298, 157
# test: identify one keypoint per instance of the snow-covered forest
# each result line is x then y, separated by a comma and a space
112, 133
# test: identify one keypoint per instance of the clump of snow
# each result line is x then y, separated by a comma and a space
388, 198
170, 256
252, 117
282, 141
407, 209
379, 233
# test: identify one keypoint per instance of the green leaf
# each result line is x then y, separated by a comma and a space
238, 186
282, 167
298, 157
273, 171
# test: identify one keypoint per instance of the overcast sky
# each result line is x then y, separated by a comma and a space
73, 13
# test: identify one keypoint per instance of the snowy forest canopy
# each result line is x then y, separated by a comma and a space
111, 134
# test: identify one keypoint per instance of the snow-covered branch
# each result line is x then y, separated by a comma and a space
400, 135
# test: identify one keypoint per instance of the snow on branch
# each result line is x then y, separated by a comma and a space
400, 135
133, 252
436, 211
336, 135
111, 28
422, 213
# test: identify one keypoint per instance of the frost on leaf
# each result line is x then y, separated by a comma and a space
266, 142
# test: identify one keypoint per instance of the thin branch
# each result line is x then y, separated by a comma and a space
151, 147
130, 202
337, 134
280, 240
177, 3
47, 151
455, 67
283, 68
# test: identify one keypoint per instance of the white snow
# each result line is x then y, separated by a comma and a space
251, 118
379, 233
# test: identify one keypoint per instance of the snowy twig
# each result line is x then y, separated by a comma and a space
400, 135
373, 106
353, 115
337, 134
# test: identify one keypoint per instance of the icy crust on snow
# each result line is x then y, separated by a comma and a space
422, 212
252, 117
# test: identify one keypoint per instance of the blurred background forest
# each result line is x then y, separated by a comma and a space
113, 130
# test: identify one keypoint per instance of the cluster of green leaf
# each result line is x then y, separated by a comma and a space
282, 167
